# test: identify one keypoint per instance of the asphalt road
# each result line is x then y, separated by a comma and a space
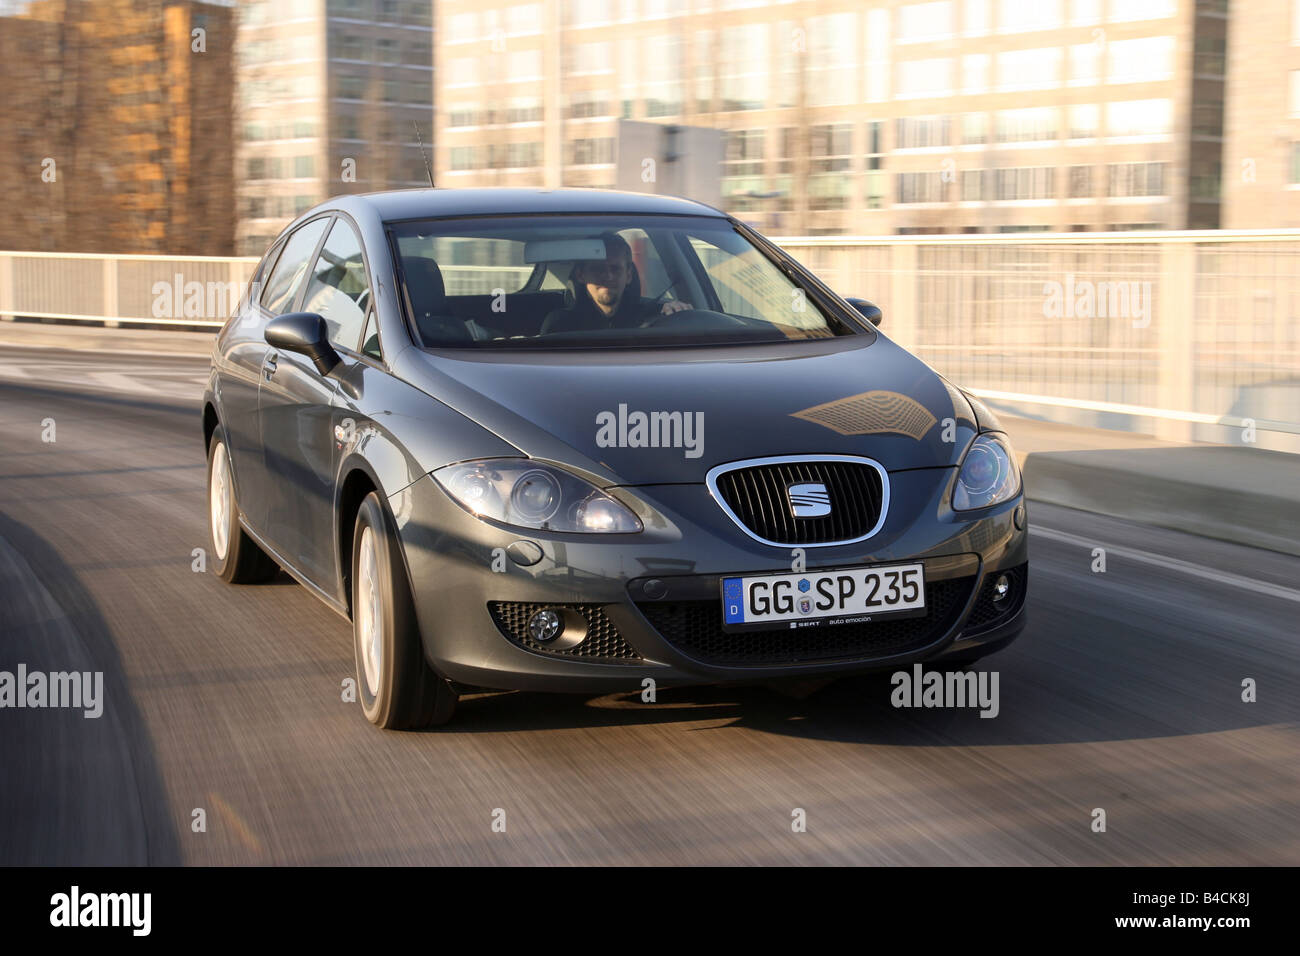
1124, 694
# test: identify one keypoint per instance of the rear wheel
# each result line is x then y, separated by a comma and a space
235, 556
397, 688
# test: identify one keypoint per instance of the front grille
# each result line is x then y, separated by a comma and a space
695, 629
757, 496
603, 639
985, 614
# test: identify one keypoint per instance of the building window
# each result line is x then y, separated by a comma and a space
975, 19
1038, 69
1206, 184
921, 132
918, 78
975, 73
460, 28
463, 114
462, 71
920, 187
875, 144
524, 66
592, 152
832, 58
1145, 60
462, 158
1085, 64
1142, 10
591, 58
1018, 16
1027, 182
524, 109
830, 148
925, 21
1210, 57
827, 191
303, 167
584, 104
744, 152
1084, 12
974, 185
974, 129
351, 47
877, 188
523, 155
1084, 120
1135, 179
1080, 182
1036, 124
351, 87
1139, 118
662, 78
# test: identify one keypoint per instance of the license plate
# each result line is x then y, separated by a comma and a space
820, 598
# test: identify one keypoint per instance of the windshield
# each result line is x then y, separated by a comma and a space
553, 281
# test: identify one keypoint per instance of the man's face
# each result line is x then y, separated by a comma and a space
606, 280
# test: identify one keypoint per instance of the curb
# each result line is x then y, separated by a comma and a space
1252, 517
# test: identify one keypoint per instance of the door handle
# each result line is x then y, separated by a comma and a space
269, 366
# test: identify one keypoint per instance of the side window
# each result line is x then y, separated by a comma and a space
338, 290
370, 339
286, 277
257, 282
649, 267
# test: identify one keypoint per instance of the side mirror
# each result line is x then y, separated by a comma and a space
869, 311
305, 334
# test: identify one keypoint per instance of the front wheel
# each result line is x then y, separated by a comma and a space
235, 556
397, 688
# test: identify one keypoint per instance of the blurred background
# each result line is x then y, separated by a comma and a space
951, 160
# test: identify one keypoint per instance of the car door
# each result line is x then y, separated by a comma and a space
281, 294
243, 352
299, 410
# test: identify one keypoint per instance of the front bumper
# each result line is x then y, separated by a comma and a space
650, 602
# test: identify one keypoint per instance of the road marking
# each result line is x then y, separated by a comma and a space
1172, 564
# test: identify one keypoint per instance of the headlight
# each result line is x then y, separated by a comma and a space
522, 493
988, 476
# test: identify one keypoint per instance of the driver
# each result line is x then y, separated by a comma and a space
607, 294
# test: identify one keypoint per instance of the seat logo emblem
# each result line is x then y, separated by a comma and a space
809, 500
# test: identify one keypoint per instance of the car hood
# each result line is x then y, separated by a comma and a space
630, 417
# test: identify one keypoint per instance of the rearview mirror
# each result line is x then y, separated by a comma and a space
304, 333
869, 311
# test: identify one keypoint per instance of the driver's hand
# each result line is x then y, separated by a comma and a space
675, 305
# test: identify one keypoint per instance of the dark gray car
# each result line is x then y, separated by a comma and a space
580, 440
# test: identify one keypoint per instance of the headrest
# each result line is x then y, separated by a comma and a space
425, 285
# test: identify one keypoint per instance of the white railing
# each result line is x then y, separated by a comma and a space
1184, 335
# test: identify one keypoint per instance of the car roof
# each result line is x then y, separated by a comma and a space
493, 201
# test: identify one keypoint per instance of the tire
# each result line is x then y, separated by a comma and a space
236, 558
397, 688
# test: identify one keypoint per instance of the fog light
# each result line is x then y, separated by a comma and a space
1001, 588
544, 626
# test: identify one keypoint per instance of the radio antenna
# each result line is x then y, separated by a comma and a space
420, 139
